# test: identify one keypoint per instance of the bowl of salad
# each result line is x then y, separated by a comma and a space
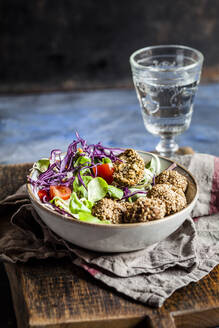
110, 199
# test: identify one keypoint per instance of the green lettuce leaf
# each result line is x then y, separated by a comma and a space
61, 203
87, 217
77, 205
136, 196
115, 192
153, 165
79, 189
152, 168
42, 165
82, 160
106, 160
97, 189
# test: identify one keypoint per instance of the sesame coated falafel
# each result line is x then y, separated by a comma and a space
173, 197
165, 198
172, 177
144, 209
109, 209
129, 170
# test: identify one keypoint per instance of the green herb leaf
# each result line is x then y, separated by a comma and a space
147, 165
136, 196
106, 160
82, 160
87, 217
75, 184
84, 216
61, 203
79, 189
77, 205
97, 189
86, 179
115, 192
42, 165
154, 165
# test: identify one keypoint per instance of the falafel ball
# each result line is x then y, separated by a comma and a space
172, 177
130, 170
173, 197
144, 209
109, 209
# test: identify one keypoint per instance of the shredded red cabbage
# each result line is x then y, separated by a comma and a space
58, 170
60, 210
54, 154
128, 193
153, 181
134, 193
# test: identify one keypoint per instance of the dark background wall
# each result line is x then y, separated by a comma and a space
77, 44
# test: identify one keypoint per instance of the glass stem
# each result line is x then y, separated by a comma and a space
167, 146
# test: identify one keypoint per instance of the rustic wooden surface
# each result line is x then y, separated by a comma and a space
12, 177
56, 294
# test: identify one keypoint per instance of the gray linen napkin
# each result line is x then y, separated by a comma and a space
157, 283
153, 274
150, 275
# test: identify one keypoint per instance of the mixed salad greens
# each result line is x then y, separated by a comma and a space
74, 182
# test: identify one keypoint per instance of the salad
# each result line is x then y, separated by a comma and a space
75, 183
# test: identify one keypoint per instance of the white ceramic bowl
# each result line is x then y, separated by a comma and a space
117, 237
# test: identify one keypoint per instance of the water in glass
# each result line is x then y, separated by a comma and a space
166, 79
166, 109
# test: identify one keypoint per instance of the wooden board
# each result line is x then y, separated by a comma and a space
56, 294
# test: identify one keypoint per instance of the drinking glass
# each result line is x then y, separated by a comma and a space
166, 79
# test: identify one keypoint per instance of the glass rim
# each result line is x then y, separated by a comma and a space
155, 69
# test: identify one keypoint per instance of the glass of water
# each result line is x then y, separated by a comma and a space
166, 79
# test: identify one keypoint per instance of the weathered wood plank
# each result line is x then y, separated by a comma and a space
57, 294
205, 318
12, 177
8, 319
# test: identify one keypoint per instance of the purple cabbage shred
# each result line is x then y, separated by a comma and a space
128, 193
59, 169
153, 181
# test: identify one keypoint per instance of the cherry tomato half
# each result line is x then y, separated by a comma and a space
60, 191
104, 171
42, 193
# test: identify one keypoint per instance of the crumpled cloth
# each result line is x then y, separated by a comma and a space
150, 275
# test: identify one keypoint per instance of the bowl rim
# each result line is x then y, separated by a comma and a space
118, 225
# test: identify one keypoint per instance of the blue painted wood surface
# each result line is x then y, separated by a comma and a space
32, 125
